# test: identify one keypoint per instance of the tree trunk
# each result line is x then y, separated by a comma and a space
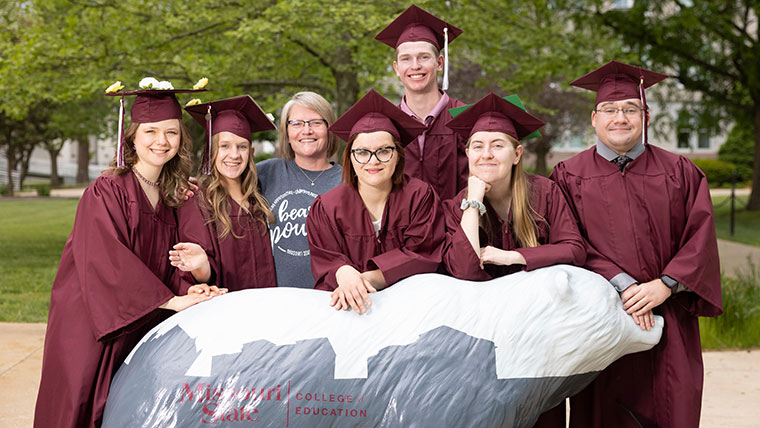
541, 149
11, 166
83, 160
346, 80
55, 181
754, 198
26, 157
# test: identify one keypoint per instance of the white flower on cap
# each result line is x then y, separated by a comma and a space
164, 85
149, 83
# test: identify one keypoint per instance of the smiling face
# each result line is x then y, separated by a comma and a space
375, 173
417, 65
308, 141
156, 143
232, 153
491, 156
619, 132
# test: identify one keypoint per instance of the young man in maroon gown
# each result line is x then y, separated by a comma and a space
437, 156
646, 217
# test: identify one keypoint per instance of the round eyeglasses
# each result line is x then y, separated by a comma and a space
383, 154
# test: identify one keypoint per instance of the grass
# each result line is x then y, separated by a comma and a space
746, 223
739, 326
32, 235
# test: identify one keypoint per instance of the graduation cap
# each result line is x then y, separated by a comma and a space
151, 105
239, 115
374, 113
514, 99
418, 25
494, 114
616, 81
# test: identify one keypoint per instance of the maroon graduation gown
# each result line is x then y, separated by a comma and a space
236, 263
558, 236
655, 219
112, 278
410, 240
443, 164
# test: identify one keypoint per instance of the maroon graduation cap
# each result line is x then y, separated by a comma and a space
151, 105
374, 113
239, 115
616, 81
493, 113
418, 25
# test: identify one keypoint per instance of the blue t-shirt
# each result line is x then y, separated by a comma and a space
290, 191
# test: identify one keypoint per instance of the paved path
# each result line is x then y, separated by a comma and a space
731, 392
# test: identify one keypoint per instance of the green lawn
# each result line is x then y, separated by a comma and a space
32, 235
746, 224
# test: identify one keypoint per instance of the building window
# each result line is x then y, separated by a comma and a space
704, 140
683, 139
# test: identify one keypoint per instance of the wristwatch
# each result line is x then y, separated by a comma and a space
671, 283
467, 203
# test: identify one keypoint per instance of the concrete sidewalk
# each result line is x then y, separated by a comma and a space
731, 392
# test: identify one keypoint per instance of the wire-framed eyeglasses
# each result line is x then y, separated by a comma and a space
628, 111
314, 123
383, 154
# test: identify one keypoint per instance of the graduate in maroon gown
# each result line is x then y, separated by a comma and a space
646, 217
114, 280
437, 156
223, 232
505, 220
380, 225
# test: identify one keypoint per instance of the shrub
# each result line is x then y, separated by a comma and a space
717, 171
739, 326
258, 157
739, 149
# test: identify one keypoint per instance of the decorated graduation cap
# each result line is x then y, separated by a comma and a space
239, 115
616, 81
418, 25
154, 101
493, 113
374, 113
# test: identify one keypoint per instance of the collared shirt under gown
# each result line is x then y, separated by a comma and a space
113, 276
443, 161
410, 239
653, 219
236, 263
558, 237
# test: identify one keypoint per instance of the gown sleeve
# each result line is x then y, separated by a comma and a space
118, 289
565, 244
326, 251
696, 263
459, 257
421, 244
193, 228
595, 260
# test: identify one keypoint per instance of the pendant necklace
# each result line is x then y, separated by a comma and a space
307, 177
145, 180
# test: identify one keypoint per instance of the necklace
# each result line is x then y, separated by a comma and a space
307, 177
145, 180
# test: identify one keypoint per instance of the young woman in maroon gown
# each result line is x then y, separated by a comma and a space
223, 232
380, 225
114, 280
505, 220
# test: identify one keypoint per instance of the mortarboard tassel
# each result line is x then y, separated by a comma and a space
445, 84
120, 136
644, 105
207, 154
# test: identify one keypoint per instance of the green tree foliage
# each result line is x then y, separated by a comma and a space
738, 149
709, 46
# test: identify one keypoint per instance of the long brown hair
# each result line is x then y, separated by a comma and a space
216, 197
174, 174
524, 218
349, 175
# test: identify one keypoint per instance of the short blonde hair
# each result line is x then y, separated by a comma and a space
311, 101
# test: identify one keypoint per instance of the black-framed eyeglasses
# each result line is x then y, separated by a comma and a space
630, 111
383, 154
314, 123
